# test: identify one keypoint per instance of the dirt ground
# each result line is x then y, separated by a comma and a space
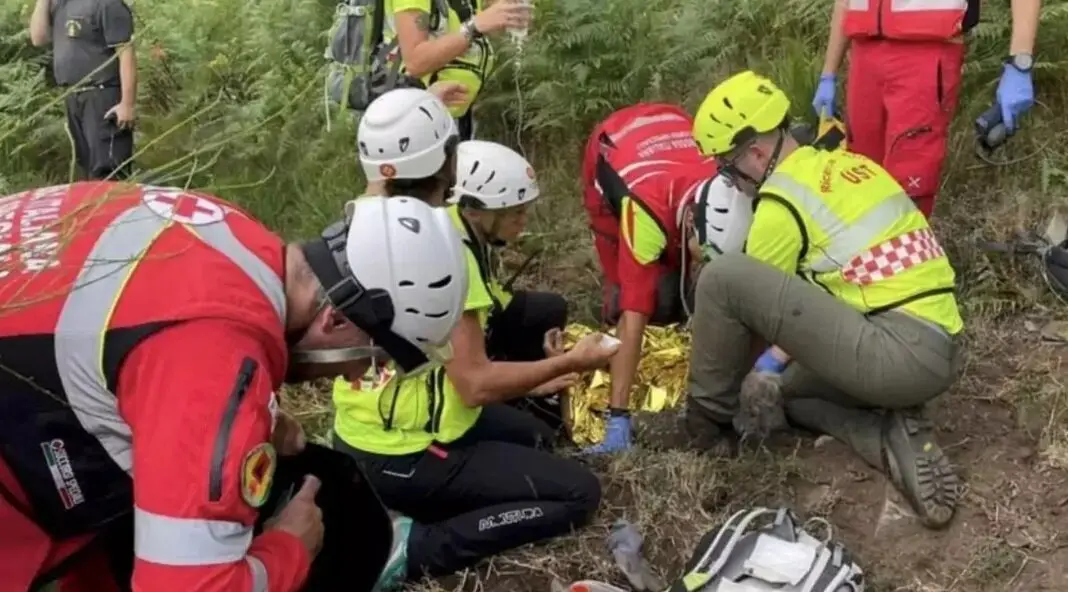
1000, 426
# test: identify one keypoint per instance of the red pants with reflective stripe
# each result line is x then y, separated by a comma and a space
900, 99
27, 553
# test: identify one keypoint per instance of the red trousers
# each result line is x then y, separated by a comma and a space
900, 100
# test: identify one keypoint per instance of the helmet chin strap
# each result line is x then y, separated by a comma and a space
336, 355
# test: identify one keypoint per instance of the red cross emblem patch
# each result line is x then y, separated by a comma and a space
182, 207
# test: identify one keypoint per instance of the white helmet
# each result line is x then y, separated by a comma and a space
753, 554
404, 134
722, 215
398, 270
492, 176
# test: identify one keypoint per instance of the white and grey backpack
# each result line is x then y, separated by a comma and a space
752, 554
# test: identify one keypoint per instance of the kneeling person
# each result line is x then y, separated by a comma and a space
441, 447
842, 273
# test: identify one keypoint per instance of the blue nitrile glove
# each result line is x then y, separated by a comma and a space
1016, 95
616, 436
823, 102
767, 362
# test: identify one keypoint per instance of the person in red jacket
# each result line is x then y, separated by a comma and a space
641, 172
904, 79
144, 334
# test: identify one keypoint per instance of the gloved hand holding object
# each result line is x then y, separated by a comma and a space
1016, 93
616, 436
760, 401
770, 362
823, 101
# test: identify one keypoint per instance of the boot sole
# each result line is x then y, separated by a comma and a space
933, 489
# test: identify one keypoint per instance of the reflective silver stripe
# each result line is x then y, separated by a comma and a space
87, 312
845, 240
927, 5
165, 540
260, 581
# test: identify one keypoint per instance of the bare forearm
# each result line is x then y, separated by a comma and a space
837, 42
434, 54
1025, 15
496, 382
624, 365
40, 24
128, 74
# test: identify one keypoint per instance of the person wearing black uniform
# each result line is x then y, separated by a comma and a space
94, 62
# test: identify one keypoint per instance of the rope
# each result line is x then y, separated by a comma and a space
519, 37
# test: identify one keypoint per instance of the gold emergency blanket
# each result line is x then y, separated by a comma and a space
659, 385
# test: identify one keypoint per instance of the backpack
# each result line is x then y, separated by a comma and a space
751, 554
361, 66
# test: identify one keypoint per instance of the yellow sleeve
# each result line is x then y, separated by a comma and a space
477, 296
641, 232
775, 238
402, 5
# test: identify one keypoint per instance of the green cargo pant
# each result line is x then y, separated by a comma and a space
892, 360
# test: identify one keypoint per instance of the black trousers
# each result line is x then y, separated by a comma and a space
101, 149
495, 489
516, 334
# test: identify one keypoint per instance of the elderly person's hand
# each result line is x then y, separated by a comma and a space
451, 93
288, 437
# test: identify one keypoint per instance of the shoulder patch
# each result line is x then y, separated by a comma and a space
641, 232
257, 474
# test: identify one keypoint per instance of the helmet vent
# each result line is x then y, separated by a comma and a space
404, 144
427, 113
406, 283
474, 167
410, 223
443, 282
363, 148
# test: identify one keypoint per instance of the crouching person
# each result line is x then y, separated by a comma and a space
845, 276
472, 475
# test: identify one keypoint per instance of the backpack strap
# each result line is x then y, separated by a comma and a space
378, 24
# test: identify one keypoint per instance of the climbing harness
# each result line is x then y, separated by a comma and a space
780, 555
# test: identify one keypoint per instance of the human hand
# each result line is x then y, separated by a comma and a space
288, 437
769, 362
451, 93
122, 114
556, 385
553, 344
761, 409
823, 101
302, 518
616, 436
503, 14
592, 352
1016, 95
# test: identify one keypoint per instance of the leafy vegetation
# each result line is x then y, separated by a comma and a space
231, 102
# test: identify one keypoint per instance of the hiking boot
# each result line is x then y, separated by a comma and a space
706, 434
900, 444
396, 570
918, 468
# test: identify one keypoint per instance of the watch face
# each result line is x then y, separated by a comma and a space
1023, 61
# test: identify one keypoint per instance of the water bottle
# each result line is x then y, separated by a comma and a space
520, 35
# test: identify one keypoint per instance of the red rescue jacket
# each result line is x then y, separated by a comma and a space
142, 340
908, 20
646, 153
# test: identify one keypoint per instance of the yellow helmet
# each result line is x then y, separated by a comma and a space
736, 111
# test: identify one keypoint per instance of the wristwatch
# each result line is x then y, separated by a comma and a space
1021, 61
470, 30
